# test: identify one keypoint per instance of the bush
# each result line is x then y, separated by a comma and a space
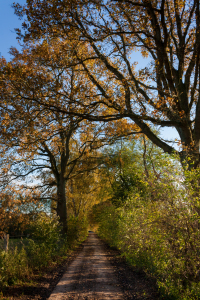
108, 219
46, 241
77, 230
13, 266
45, 245
154, 214
160, 236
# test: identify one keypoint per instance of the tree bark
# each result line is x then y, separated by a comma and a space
61, 204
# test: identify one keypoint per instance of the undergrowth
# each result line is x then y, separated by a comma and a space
46, 245
153, 217
160, 238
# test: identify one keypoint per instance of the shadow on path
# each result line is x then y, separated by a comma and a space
90, 276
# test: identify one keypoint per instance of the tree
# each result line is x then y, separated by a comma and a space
105, 35
82, 193
44, 141
138, 167
16, 211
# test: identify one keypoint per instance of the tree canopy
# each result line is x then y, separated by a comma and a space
105, 34
76, 87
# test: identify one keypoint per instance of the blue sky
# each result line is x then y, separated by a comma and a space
9, 21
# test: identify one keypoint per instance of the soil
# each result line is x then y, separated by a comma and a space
94, 271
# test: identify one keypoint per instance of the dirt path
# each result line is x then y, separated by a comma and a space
90, 276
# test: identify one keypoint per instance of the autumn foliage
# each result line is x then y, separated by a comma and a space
103, 37
79, 127
152, 220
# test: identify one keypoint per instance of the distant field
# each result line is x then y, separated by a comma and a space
14, 243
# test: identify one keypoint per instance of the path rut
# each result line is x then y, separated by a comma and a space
90, 276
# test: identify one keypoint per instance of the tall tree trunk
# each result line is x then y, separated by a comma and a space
61, 204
